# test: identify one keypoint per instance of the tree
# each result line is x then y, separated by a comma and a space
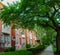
40, 32
46, 36
29, 13
50, 37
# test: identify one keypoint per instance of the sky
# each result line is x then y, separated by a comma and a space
9, 1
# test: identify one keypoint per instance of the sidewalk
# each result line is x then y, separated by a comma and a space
48, 51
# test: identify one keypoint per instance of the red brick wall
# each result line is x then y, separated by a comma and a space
33, 37
27, 36
12, 36
0, 29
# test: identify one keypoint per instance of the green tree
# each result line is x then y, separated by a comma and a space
50, 37
40, 32
46, 36
29, 13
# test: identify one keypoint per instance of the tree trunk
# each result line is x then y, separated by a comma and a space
58, 42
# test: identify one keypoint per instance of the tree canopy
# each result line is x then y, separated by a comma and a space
28, 13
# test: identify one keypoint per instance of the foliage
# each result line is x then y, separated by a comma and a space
28, 45
10, 49
54, 49
46, 36
27, 13
38, 48
40, 32
20, 52
50, 37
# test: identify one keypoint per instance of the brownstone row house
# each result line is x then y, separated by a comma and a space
15, 37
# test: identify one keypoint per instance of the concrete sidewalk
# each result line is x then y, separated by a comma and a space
48, 51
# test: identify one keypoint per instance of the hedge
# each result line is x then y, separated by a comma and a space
38, 48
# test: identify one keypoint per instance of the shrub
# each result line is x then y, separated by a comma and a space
54, 48
38, 48
7, 50
10, 49
28, 45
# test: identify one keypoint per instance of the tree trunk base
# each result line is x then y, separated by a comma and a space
58, 43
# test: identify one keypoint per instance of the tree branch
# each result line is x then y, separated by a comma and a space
41, 15
47, 25
51, 18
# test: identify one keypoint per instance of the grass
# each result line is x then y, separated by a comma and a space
28, 51
20, 52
